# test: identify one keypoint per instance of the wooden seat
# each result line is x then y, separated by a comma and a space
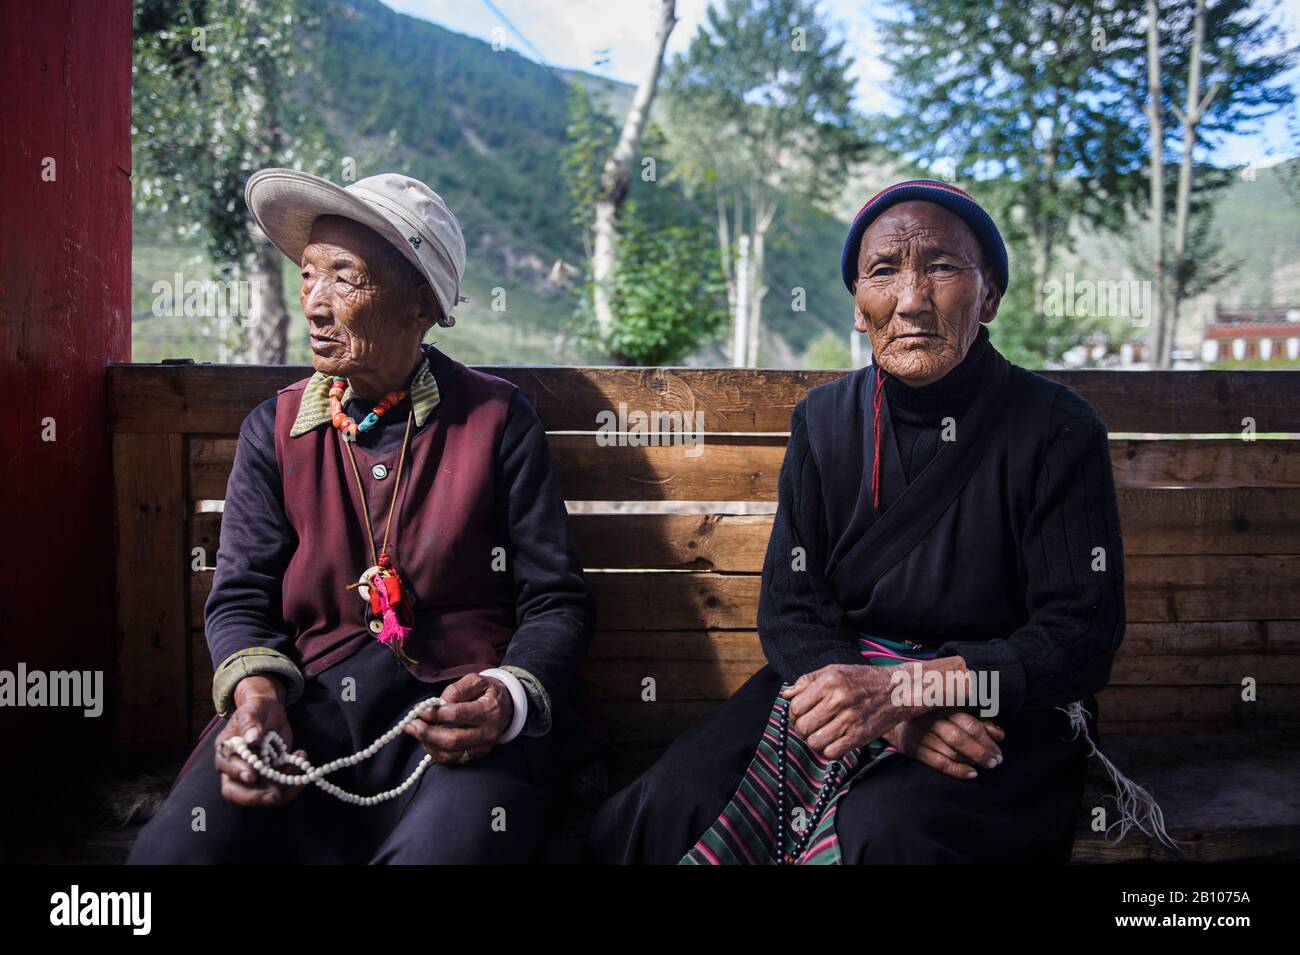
673, 538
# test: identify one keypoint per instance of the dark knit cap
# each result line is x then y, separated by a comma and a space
928, 190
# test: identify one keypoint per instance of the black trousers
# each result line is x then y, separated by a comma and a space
896, 811
493, 810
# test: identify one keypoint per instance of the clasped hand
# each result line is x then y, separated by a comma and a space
474, 714
841, 707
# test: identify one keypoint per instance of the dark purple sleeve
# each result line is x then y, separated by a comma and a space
243, 610
554, 606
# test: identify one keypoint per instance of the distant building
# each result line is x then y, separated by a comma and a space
1269, 333
1097, 351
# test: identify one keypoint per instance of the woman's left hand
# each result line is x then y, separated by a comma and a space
474, 713
840, 707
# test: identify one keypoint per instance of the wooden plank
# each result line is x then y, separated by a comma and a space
628, 600
1212, 588
1158, 590
1111, 727
655, 646
1237, 520
1227, 639
1179, 669
648, 652
721, 468
201, 667
152, 629
192, 399
717, 542
674, 601
215, 399
1205, 462
1188, 402
1271, 844
1225, 797
1275, 703
728, 468
1155, 522
633, 722
744, 468
198, 399
210, 462
1213, 637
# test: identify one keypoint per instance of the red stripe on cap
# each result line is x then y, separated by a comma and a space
914, 182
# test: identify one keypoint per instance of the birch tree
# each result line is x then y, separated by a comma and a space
761, 114
614, 176
1222, 59
1156, 139
213, 102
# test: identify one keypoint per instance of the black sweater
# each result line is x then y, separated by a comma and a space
1075, 616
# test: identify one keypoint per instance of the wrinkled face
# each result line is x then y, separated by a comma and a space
365, 303
923, 289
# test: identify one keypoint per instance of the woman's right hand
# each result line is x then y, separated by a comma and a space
952, 741
259, 709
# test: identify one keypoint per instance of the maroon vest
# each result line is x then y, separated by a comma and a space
442, 539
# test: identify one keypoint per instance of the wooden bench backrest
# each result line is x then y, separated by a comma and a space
1211, 531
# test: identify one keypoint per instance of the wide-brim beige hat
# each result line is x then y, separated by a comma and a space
285, 203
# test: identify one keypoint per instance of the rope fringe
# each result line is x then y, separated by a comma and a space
1137, 807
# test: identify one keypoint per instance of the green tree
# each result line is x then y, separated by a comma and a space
1221, 61
761, 112
828, 350
667, 293
1033, 100
214, 100
1042, 103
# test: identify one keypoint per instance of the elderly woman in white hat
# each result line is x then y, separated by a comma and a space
393, 532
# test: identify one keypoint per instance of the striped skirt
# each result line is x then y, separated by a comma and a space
746, 831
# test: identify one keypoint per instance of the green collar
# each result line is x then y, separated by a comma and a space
314, 410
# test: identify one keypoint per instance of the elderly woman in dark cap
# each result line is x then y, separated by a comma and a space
393, 532
942, 595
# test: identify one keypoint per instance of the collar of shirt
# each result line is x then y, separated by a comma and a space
314, 410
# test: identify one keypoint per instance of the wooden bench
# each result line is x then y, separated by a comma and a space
674, 543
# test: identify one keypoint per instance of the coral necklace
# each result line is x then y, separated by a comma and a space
389, 614
346, 426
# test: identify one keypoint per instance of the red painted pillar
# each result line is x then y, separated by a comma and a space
65, 312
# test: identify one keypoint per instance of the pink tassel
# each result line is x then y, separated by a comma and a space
392, 632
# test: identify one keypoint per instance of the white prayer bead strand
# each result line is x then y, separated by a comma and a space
274, 753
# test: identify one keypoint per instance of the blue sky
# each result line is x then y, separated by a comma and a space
615, 38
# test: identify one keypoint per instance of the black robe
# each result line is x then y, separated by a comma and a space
987, 550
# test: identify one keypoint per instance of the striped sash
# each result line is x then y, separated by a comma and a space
745, 833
